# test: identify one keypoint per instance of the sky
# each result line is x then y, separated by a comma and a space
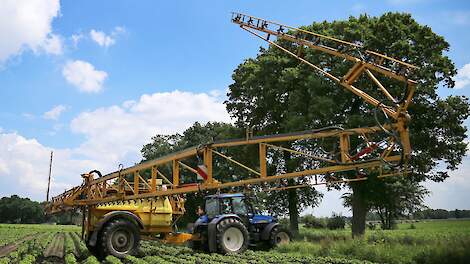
94, 80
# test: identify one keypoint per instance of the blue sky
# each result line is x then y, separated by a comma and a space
94, 80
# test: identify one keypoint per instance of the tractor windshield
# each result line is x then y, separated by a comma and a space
239, 206
212, 207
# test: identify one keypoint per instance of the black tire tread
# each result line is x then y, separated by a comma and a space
103, 249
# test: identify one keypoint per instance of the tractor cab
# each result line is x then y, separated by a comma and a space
232, 223
235, 204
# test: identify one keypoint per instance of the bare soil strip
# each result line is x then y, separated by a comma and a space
56, 247
7, 249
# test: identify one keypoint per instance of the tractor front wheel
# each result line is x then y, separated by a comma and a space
232, 236
279, 236
120, 238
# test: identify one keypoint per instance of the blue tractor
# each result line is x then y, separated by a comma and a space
231, 223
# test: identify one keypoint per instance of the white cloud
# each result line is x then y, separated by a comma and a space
24, 165
216, 93
84, 76
113, 135
55, 112
101, 38
463, 76
105, 40
53, 45
26, 25
116, 132
118, 30
76, 38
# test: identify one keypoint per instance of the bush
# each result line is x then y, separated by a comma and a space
336, 221
311, 221
371, 226
452, 252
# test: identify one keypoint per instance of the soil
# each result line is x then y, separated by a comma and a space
56, 247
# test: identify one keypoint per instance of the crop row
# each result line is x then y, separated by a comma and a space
28, 251
154, 252
10, 234
32, 251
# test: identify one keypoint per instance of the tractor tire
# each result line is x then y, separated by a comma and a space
279, 236
232, 236
119, 238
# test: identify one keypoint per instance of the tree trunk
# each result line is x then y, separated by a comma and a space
292, 194
382, 217
293, 210
359, 209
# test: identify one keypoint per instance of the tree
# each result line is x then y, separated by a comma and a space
274, 93
402, 198
19, 210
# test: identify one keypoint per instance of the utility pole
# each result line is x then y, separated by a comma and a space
49, 181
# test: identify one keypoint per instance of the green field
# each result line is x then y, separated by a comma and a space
444, 241
424, 242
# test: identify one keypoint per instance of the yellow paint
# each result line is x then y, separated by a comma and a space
157, 213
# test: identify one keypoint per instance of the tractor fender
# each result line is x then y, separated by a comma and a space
265, 234
111, 216
212, 230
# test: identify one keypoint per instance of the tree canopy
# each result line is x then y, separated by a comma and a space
19, 210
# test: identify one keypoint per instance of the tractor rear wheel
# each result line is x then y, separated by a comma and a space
120, 238
232, 236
